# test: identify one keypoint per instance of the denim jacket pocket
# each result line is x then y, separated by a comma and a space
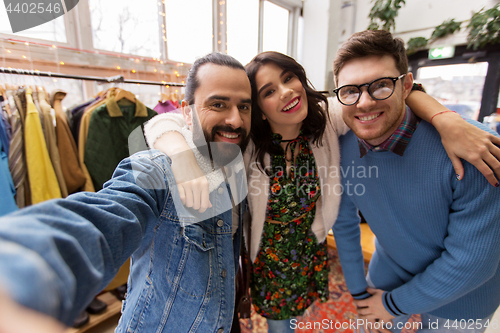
191, 267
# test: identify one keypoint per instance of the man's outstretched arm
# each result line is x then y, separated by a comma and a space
56, 256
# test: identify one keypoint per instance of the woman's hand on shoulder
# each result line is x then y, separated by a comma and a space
464, 140
192, 183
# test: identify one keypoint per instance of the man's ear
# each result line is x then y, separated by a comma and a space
407, 84
187, 113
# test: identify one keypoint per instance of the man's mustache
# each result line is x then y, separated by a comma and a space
229, 129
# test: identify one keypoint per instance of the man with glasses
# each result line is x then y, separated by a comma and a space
437, 252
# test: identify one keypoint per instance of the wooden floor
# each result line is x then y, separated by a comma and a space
114, 306
367, 241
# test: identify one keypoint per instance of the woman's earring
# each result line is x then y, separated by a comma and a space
264, 117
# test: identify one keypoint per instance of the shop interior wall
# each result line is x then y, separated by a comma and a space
327, 23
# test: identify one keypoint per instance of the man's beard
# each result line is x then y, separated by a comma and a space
221, 153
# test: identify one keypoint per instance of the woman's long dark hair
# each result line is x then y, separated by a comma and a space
313, 126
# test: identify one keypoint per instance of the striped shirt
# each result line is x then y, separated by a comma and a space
398, 141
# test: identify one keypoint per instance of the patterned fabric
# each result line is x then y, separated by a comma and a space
338, 311
398, 141
291, 269
17, 161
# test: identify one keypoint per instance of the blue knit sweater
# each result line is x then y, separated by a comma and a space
438, 239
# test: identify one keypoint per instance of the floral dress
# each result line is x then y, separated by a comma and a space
291, 268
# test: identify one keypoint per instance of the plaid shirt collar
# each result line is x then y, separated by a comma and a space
398, 141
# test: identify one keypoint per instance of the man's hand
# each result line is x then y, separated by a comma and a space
464, 140
372, 310
17, 319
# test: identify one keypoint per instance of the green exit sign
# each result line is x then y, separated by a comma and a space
442, 52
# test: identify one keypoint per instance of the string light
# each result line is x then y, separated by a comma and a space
155, 70
133, 71
24, 57
8, 51
118, 67
62, 63
54, 47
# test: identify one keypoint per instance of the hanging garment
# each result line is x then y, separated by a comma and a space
77, 113
165, 106
51, 141
83, 132
4, 139
20, 101
17, 160
107, 140
7, 190
70, 165
5, 115
43, 181
176, 104
34, 94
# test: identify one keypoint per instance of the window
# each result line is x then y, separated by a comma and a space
243, 29
458, 87
275, 34
53, 30
128, 26
189, 29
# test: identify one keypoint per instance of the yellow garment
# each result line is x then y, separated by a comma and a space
43, 181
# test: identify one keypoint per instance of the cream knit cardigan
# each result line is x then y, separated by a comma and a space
327, 157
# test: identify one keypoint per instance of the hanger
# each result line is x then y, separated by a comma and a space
163, 97
122, 93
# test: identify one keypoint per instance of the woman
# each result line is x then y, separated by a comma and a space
293, 149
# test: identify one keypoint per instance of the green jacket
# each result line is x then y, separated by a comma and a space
108, 136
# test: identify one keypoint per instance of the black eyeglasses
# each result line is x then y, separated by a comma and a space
378, 89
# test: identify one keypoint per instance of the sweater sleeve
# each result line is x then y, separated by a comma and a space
471, 252
348, 240
335, 111
162, 123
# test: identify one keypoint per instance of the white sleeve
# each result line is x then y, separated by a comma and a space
163, 123
335, 111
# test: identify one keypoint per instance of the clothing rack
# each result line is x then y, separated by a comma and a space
112, 79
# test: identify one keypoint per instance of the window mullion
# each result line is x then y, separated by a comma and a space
261, 26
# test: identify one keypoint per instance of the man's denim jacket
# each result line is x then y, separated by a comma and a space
56, 256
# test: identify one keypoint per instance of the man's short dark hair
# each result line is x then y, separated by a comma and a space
371, 43
216, 58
